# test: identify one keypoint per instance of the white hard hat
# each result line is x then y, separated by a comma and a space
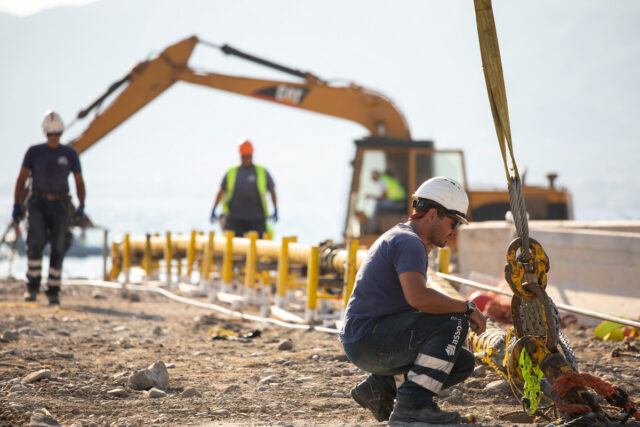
446, 192
52, 122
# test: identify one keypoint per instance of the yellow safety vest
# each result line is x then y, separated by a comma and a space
395, 191
261, 183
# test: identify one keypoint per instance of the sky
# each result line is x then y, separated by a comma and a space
28, 7
570, 69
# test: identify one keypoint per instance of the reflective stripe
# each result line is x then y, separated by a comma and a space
34, 263
53, 282
261, 182
431, 362
232, 174
54, 272
33, 273
425, 381
399, 379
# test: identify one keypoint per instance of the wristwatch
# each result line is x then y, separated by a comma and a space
471, 306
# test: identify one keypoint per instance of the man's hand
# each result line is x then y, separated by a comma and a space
213, 218
17, 213
274, 217
477, 322
79, 214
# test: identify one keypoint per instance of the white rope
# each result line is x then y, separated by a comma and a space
564, 307
170, 295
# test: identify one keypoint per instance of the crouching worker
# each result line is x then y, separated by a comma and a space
396, 326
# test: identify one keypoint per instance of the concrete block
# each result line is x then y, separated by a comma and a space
594, 265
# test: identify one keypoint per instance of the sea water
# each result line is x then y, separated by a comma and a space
311, 224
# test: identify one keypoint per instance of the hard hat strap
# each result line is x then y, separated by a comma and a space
417, 215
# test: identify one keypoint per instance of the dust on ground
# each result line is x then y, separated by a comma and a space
86, 349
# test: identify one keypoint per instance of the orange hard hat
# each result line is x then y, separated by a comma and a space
245, 147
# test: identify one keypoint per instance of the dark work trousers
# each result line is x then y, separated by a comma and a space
47, 221
242, 226
426, 348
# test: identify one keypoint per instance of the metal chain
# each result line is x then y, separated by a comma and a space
562, 339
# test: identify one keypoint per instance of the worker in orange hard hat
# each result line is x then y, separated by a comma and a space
245, 147
243, 193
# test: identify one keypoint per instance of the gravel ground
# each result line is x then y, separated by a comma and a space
73, 364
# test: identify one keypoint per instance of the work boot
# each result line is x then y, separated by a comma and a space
429, 413
30, 295
374, 399
53, 296
54, 299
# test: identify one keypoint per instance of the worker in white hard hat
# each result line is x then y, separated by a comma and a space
49, 205
395, 326
243, 195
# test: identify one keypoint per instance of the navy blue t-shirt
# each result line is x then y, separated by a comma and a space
246, 203
50, 167
377, 291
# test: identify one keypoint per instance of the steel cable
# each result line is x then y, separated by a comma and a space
519, 211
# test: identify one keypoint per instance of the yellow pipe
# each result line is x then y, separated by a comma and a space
146, 260
351, 268
283, 268
227, 259
207, 257
298, 252
168, 255
444, 255
126, 255
115, 271
312, 278
250, 269
265, 278
191, 253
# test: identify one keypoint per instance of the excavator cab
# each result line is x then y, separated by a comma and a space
403, 164
407, 164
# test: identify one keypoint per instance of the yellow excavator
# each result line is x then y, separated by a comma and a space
387, 151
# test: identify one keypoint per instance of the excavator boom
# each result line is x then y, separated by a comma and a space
150, 78
388, 148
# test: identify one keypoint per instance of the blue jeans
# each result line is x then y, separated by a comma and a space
427, 348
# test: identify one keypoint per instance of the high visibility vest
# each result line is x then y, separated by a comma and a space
261, 183
395, 191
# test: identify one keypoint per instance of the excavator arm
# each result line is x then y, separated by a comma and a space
149, 79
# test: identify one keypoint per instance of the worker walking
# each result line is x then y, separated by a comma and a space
242, 192
396, 326
49, 205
